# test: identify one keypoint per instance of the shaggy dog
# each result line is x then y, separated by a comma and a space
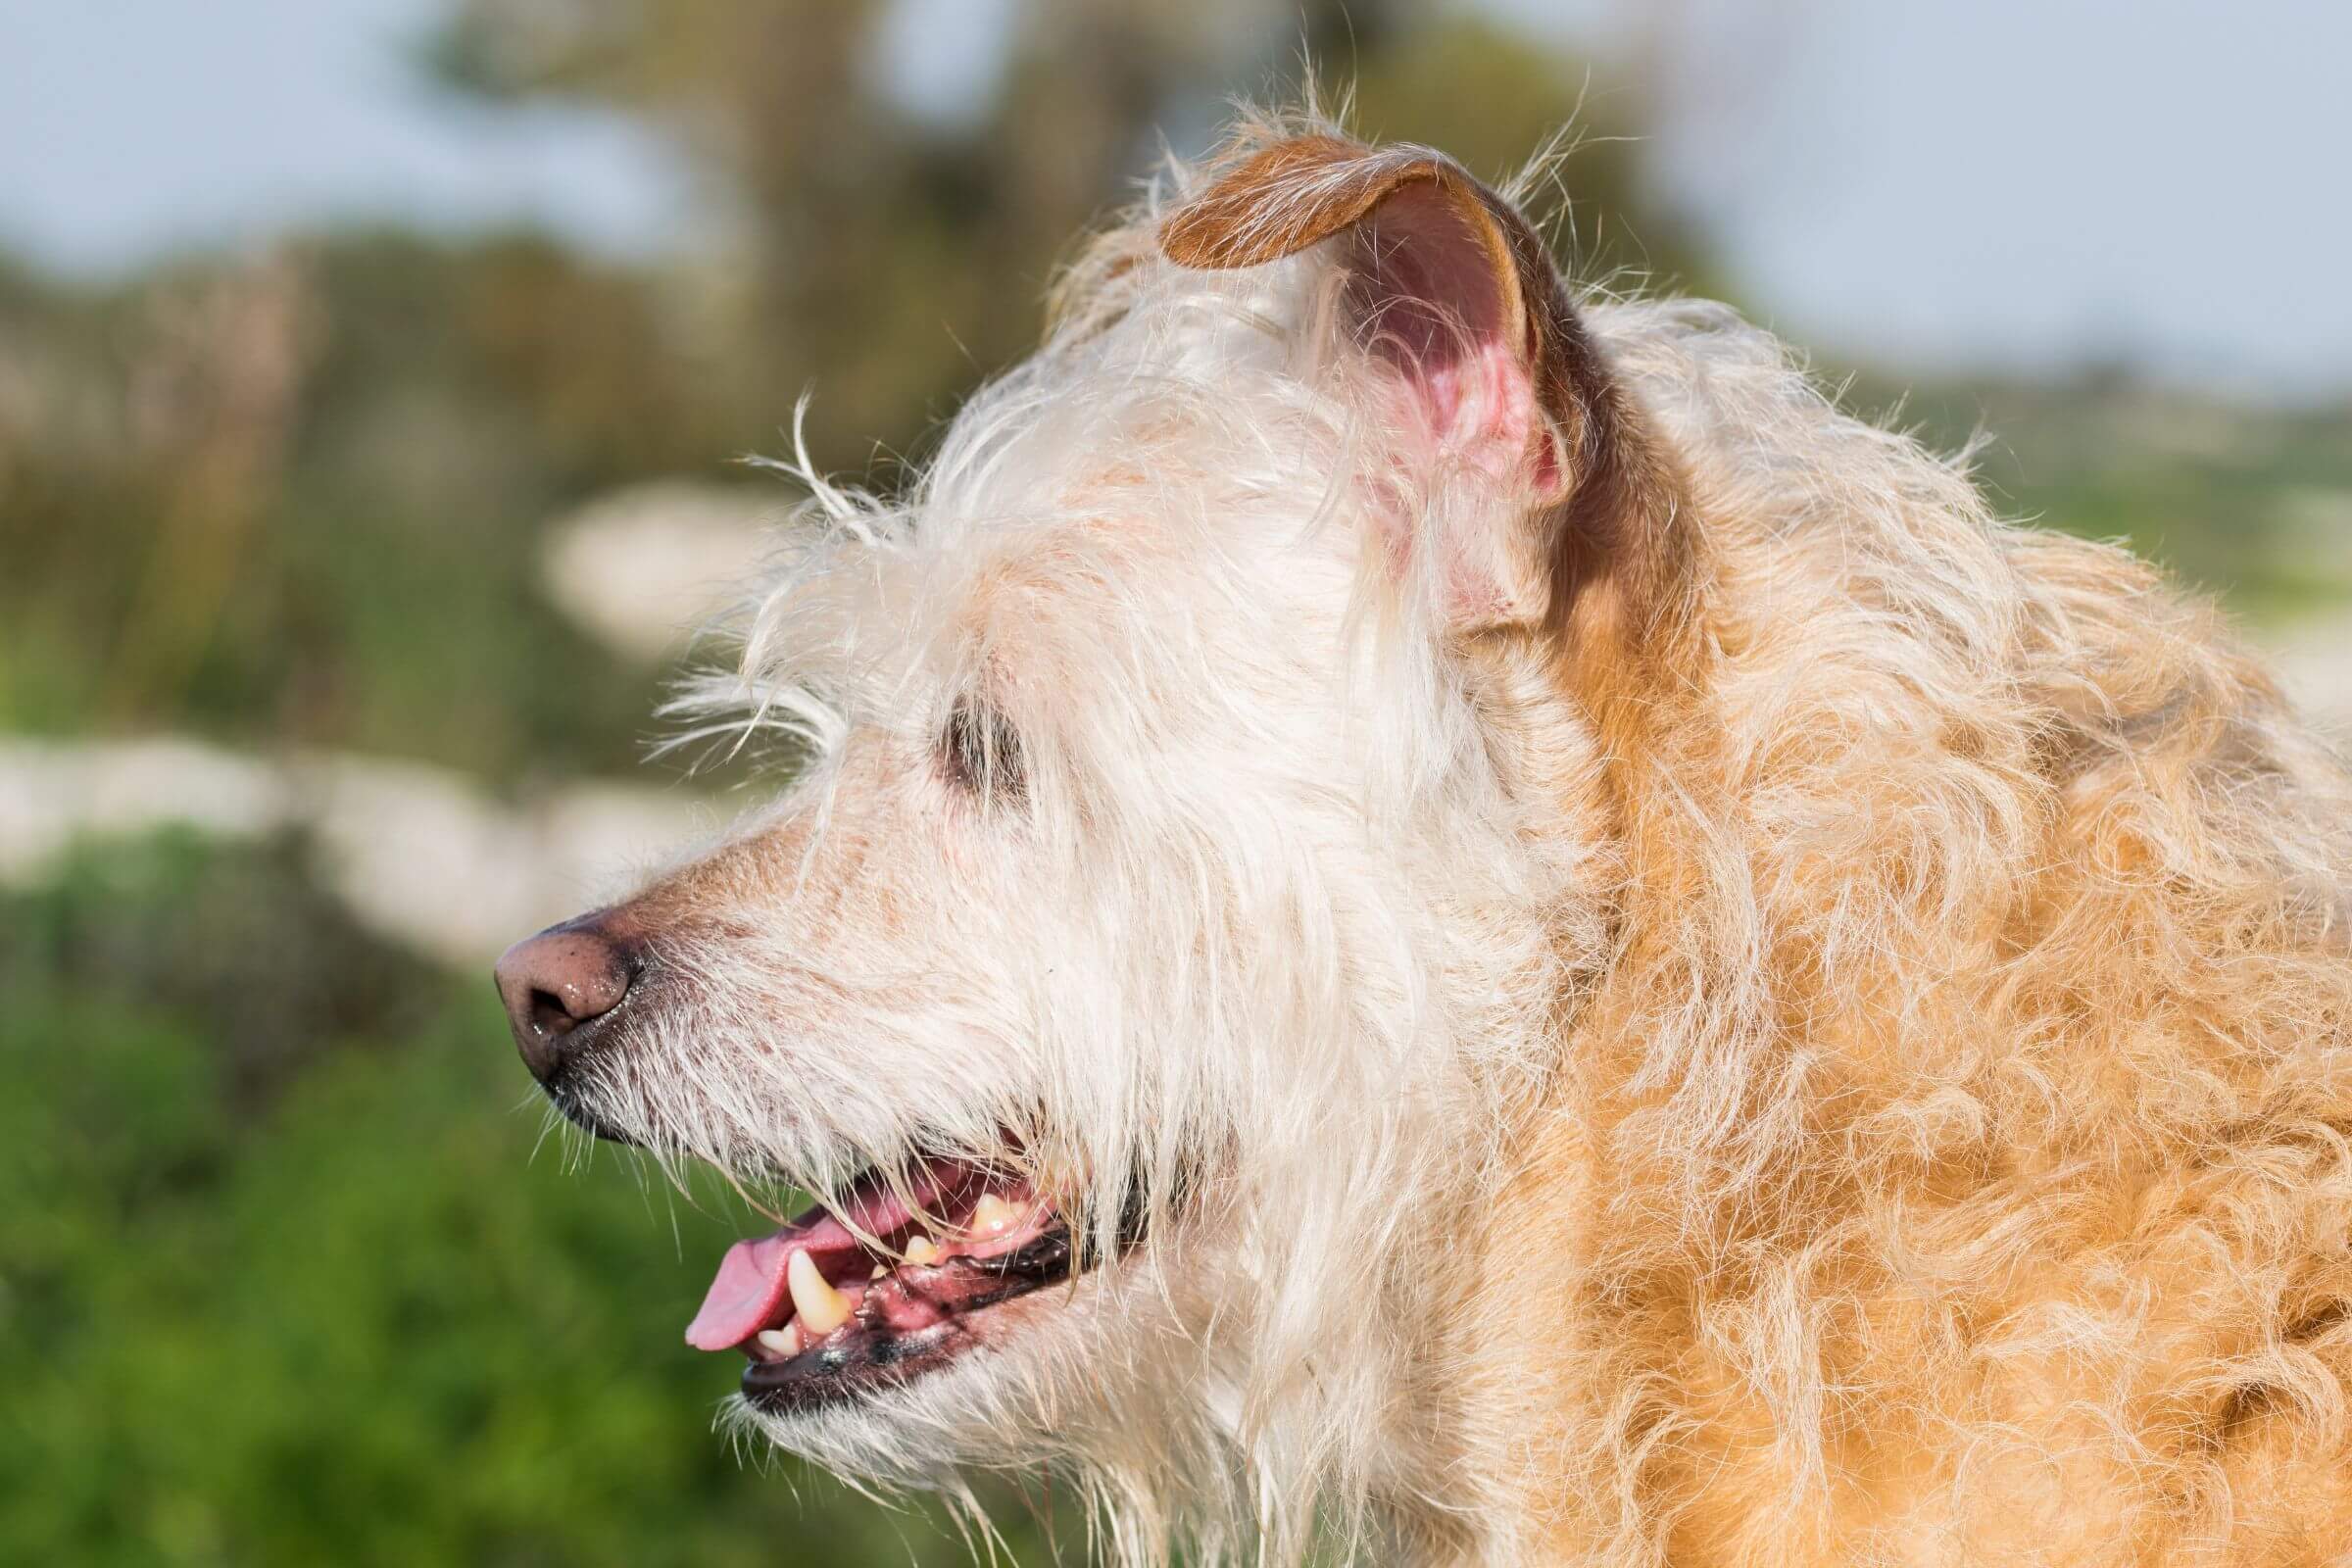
1462, 923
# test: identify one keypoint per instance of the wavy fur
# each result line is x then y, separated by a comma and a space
1884, 1097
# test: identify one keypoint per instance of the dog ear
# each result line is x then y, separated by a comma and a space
1454, 295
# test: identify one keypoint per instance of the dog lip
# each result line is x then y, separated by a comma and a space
871, 1357
838, 1374
562, 1092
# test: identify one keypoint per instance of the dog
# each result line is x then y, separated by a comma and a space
1429, 918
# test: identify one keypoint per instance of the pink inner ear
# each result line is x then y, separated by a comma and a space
1429, 303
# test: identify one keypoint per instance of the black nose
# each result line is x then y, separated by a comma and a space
560, 985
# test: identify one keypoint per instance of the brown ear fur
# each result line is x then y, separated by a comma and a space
1620, 545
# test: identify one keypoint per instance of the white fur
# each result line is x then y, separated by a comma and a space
1270, 907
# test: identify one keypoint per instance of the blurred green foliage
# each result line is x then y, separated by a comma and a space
353, 1322
2253, 505
275, 968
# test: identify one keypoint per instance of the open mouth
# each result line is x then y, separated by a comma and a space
885, 1287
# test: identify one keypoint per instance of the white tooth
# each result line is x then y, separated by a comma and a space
993, 1215
921, 1248
879, 1271
820, 1307
784, 1342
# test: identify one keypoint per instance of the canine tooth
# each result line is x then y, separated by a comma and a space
880, 1269
921, 1248
993, 1215
784, 1342
820, 1307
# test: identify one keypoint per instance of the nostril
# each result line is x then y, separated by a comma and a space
549, 1015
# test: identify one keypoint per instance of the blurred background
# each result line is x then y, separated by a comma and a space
373, 380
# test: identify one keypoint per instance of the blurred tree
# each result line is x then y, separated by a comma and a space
235, 491
893, 256
297, 498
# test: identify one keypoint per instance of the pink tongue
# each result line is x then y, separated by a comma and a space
747, 1292
750, 1288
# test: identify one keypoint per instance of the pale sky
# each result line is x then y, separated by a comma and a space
2033, 182
1931, 184
128, 127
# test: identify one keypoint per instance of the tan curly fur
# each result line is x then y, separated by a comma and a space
1955, 1167
1955, 1164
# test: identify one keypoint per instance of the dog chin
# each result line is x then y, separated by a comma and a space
1020, 1384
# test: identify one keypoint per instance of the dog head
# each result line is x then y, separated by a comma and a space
1199, 845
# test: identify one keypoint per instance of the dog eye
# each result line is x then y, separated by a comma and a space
982, 754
